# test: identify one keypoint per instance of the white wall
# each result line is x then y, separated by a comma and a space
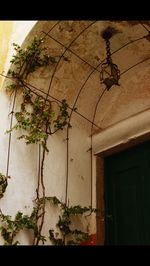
20, 30
23, 170
123, 132
23, 166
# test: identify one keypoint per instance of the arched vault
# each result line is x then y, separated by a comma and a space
79, 51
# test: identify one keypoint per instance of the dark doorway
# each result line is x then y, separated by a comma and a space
127, 196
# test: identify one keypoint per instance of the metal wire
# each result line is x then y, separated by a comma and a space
56, 99
75, 102
74, 53
91, 148
96, 68
67, 48
10, 128
134, 66
51, 80
54, 26
67, 173
39, 166
144, 27
11, 120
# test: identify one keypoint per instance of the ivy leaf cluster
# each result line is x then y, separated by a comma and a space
62, 118
3, 184
40, 120
54, 200
36, 115
36, 120
29, 59
10, 228
75, 237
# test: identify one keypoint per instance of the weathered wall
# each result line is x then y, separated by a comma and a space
11, 32
70, 81
23, 164
5, 33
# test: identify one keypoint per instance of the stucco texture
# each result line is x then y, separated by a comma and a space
79, 50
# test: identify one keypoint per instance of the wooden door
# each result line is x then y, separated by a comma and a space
127, 197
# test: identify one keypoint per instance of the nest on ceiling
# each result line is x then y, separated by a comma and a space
109, 32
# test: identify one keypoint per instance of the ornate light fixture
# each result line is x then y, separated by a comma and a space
110, 74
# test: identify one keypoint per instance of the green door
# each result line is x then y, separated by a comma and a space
127, 196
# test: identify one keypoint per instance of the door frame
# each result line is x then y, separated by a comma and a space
125, 134
100, 204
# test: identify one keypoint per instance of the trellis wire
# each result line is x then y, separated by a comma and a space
91, 148
9, 147
9, 138
67, 138
96, 68
75, 103
11, 120
54, 98
65, 52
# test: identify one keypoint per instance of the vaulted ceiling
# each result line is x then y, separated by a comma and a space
79, 50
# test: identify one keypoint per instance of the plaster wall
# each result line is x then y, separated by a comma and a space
121, 122
23, 163
11, 32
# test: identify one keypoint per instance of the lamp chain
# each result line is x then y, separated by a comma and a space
109, 60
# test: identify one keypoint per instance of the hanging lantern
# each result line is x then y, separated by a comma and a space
110, 73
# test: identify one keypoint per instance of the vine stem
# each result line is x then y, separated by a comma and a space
11, 122
39, 172
20, 78
43, 192
38, 188
9, 140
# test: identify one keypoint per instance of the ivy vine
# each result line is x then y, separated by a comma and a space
69, 236
3, 184
11, 227
38, 118
65, 235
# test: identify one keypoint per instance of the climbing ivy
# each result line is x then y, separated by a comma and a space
37, 119
38, 123
68, 236
28, 60
3, 184
36, 115
10, 228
